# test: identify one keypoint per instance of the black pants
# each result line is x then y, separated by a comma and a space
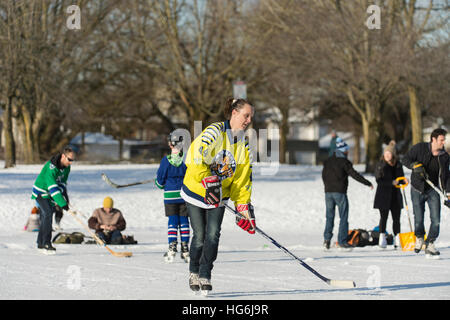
384, 213
45, 229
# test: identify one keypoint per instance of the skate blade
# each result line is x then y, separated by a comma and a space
196, 289
432, 257
204, 293
168, 259
47, 252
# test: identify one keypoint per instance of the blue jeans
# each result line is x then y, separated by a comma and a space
333, 199
434, 204
46, 217
206, 225
114, 237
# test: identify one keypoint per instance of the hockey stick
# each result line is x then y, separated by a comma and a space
439, 191
334, 283
75, 213
115, 185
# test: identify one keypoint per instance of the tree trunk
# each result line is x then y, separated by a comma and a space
416, 115
357, 150
373, 146
10, 147
284, 131
27, 133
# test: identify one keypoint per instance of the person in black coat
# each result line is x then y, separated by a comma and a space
428, 161
388, 197
336, 170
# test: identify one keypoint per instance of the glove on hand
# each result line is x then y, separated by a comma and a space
447, 203
419, 169
66, 196
66, 207
213, 188
247, 222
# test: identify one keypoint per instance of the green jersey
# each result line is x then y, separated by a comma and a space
51, 183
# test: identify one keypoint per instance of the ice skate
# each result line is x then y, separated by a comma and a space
382, 243
431, 252
205, 286
194, 283
47, 249
396, 242
419, 245
185, 252
344, 247
169, 256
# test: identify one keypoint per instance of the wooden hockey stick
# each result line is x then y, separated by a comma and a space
334, 283
75, 213
115, 185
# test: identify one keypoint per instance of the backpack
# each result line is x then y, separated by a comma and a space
362, 238
358, 238
72, 238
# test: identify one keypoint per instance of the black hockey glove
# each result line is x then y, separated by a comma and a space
213, 186
419, 169
447, 203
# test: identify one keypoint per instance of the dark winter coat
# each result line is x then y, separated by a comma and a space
387, 195
421, 152
335, 174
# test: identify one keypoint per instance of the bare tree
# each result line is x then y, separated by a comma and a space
45, 61
197, 47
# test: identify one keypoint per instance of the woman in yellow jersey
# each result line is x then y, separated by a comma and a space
218, 168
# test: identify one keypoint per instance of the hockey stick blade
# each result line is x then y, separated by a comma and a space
108, 181
115, 185
125, 254
342, 283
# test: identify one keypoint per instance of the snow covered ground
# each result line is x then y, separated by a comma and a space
289, 206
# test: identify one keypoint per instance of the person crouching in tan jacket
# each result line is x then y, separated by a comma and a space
108, 222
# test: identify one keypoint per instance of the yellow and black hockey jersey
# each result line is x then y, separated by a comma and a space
216, 152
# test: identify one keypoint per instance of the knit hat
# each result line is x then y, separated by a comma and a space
108, 202
341, 145
35, 210
391, 148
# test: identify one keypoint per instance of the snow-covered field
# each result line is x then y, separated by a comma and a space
289, 206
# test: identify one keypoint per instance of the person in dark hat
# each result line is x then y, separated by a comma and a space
336, 170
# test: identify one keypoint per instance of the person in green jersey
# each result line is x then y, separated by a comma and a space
49, 190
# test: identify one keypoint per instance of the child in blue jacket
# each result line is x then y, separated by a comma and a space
170, 177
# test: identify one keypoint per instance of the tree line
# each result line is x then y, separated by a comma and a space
149, 64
